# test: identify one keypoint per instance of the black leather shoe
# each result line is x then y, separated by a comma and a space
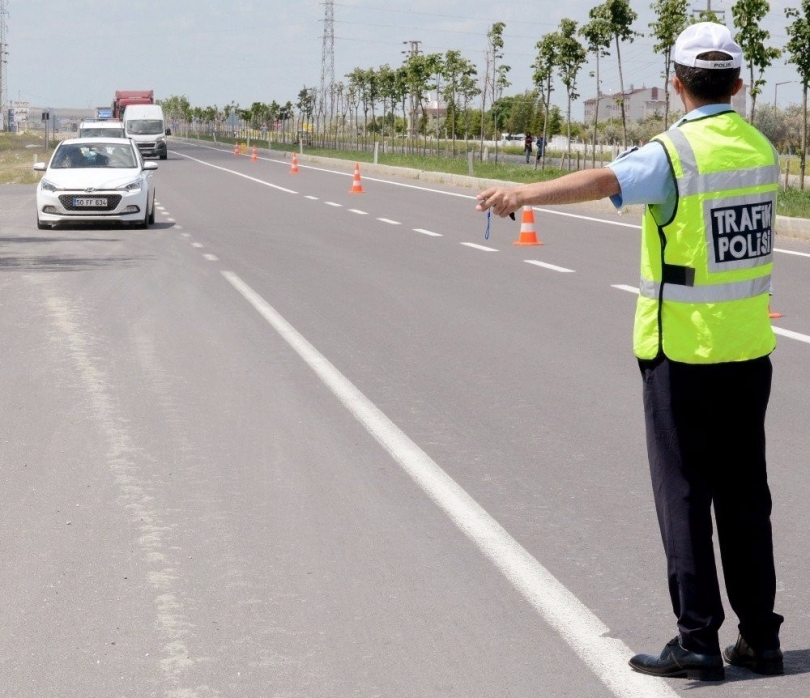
768, 662
677, 663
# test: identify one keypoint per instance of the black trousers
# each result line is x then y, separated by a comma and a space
706, 446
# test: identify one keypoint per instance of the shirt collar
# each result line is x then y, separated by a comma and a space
700, 112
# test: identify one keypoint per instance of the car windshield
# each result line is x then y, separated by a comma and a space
101, 133
145, 127
109, 155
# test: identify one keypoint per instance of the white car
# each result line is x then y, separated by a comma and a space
98, 180
101, 128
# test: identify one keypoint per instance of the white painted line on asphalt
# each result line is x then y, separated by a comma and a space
389, 221
427, 232
178, 227
546, 265
776, 330
799, 254
211, 257
170, 220
197, 244
332, 203
358, 211
185, 235
479, 247
311, 198
238, 174
585, 634
792, 335
622, 287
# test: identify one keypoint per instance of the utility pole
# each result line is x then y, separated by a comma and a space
328, 59
3, 63
413, 51
710, 11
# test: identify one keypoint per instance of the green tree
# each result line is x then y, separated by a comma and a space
496, 72
544, 66
798, 46
620, 18
672, 20
598, 36
570, 57
748, 15
456, 70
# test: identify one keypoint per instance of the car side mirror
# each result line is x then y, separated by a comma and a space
150, 166
40, 166
168, 132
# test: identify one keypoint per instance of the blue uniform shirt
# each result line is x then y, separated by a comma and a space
644, 174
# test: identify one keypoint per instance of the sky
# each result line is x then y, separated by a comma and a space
77, 53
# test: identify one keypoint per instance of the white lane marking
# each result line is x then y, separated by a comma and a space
776, 330
170, 220
546, 265
178, 227
622, 287
211, 257
311, 198
389, 221
239, 174
197, 244
565, 613
358, 211
185, 235
479, 247
791, 334
427, 232
332, 203
800, 254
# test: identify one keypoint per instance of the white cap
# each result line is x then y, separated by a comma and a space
703, 37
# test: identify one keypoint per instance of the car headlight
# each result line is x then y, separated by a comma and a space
133, 186
47, 185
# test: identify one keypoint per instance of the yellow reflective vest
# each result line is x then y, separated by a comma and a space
706, 268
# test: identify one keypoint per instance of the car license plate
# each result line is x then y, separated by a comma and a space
89, 202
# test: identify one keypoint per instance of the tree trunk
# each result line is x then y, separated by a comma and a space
621, 87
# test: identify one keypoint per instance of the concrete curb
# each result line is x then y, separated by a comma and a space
797, 228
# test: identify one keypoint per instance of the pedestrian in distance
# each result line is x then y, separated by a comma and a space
703, 339
527, 146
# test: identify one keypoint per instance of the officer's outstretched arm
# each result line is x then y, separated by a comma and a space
585, 185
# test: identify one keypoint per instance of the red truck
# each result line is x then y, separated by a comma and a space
124, 98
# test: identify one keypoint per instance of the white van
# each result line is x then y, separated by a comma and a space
144, 124
101, 128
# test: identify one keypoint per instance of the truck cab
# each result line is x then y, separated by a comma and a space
145, 124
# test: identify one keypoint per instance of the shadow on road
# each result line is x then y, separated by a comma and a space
67, 263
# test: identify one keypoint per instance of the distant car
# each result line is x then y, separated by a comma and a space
96, 179
101, 128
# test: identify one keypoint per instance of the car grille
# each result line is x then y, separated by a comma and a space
147, 146
112, 203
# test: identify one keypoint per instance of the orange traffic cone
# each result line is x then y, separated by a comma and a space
528, 235
357, 187
236, 149
294, 168
254, 157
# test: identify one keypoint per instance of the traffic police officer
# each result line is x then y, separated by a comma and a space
702, 336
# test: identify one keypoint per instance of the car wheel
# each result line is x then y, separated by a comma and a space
163, 156
151, 218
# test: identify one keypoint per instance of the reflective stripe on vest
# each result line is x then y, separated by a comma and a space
717, 293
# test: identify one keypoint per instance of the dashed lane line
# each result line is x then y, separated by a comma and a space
427, 232
546, 265
211, 257
389, 221
478, 247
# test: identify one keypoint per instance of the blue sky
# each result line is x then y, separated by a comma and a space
77, 53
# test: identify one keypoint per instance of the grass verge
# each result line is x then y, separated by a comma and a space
17, 153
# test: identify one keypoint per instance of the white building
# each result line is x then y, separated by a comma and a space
645, 102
